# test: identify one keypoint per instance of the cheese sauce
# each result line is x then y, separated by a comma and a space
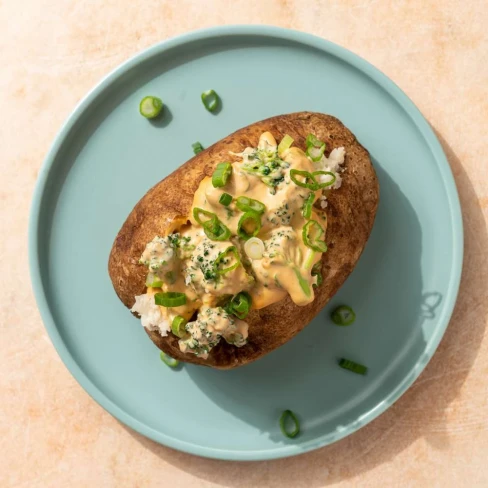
209, 272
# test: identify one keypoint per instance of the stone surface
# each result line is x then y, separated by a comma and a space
51, 433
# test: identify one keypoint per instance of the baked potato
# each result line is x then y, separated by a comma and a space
266, 289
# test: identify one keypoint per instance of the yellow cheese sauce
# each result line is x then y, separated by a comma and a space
210, 272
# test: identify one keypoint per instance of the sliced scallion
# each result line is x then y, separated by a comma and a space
216, 231
246, 204
289, 424
307, 206
225, 199
285, 144
221, 174
353, 366
197, 147
343, 315
170, 299
311, 234
249, 225
231, 253
211, 100
150, 107
316, 271
168, 360
240, 305
178, 326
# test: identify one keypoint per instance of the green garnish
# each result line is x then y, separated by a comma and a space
197, 147
294, 173
211, 217
311, 233
343, 315
307, 206
352, 366
303, 282
216, 231
170, 299
221, 174
225, 199
249, 225
285, 143
153, 281
289, 419
246, 204
211, 100
315, 148
168, 360
240, 305
310, 181
178, 326
316, 271
320, 186
150, 107
223, 258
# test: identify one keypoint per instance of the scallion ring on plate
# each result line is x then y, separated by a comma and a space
343, 315
168, 360
353, 366
210, 100
150, 107
289, 424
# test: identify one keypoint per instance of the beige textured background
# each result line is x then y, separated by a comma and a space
51, 433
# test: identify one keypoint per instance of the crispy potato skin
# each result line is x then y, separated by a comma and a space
351, 212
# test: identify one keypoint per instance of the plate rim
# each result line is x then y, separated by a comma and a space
250, 31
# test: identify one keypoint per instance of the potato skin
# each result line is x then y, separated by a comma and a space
351, 212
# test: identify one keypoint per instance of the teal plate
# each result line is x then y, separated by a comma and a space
107, 156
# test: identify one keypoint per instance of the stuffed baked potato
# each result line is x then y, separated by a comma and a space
235, 252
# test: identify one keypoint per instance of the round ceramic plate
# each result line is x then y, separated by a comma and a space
107, 156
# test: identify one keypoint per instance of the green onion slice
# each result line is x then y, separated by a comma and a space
210, 99
197, 147
216, 231
289, 419
246, 204
352, 366
294, 173
178, 326
285, 144
153, 281
316, 271
249, 225
312, 231
240, 305
315, 153
307, 206
303, 283
319, 186
229, 253
221, 174
170, 299
211, 217
312, 141
150, 107
343, 315
225, 199
168, 360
